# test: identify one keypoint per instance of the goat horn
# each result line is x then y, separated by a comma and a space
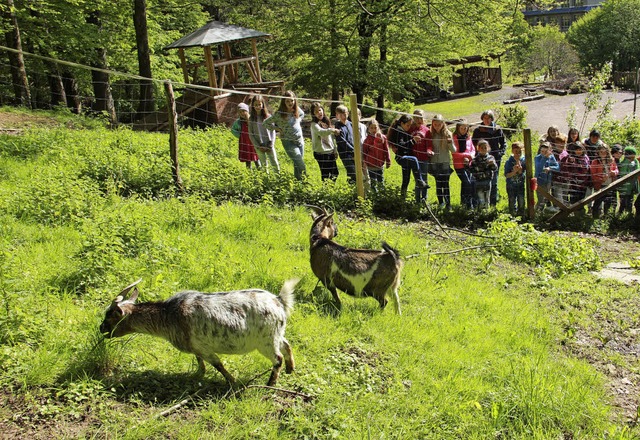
317, 210
129, 287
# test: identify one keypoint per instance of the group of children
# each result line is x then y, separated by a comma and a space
565, 167
571, 170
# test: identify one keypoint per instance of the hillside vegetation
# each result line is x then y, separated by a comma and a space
491, 343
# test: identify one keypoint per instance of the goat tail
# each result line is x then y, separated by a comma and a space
286, 295
392, 251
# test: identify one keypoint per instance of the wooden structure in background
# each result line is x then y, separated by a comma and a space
219, 69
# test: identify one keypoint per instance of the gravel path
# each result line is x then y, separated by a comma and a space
553, 109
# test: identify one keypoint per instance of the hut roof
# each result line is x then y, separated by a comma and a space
216, 32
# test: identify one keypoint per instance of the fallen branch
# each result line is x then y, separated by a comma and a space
305, 397
180, 404
465, 249
436, 219
472, 234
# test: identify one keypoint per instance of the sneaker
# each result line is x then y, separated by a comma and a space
422, 184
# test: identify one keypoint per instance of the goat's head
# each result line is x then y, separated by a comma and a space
323, 224
115, 319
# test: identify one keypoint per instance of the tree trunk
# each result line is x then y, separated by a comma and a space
102, 88
366, 28
58, 95
16, 60
74, 102
335, 87
383, 61
100, 80
146, 104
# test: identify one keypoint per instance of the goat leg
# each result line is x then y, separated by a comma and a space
289, 364
334, 292
275, 371
217, 364
202, 368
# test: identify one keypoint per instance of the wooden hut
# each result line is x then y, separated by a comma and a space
222, 71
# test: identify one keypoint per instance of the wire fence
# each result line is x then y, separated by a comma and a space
142, 104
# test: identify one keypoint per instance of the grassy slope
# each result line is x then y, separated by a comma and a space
476, 353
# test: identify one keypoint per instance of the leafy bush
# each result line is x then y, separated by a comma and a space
553, 253
512, 116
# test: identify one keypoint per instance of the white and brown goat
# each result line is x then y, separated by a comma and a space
357, 272
209, 324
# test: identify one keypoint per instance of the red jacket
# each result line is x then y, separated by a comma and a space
600, 172
458, 158
423, 150
375, 151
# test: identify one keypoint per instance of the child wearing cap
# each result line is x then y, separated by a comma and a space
514, 171
546, 166
240, 129
630, 188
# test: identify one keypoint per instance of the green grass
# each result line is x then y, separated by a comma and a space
479, 352
455, 108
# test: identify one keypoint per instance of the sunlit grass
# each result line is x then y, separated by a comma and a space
476, 353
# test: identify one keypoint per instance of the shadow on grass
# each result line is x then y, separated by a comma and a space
155, 387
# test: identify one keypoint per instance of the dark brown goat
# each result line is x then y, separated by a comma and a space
357, 272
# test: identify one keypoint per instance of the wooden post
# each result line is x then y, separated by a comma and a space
256, 61
233, 71
528, 161
183, 64
173, 135
357, 151
211, 71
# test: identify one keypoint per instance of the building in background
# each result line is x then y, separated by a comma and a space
563, 14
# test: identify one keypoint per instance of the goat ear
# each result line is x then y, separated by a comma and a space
129, 287
134, 295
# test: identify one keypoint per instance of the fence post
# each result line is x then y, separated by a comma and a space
355, 121
173, 135
528, 160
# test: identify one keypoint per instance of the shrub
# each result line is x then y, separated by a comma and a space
513, 117
550, 252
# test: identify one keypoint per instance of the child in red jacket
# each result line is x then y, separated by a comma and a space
375, 150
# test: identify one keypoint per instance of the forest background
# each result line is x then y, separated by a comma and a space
379, 50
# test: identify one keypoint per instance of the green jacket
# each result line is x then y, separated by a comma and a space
625, 167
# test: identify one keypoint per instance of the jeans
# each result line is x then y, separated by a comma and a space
327, 164
349, 164
483, 192
608, 200
626, 203
409, 165
271, 155
493, 200
376, 176
467, 188
295, 151
542, 201
441, 171
421, 193
516, 198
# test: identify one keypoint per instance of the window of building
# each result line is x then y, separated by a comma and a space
565, 23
